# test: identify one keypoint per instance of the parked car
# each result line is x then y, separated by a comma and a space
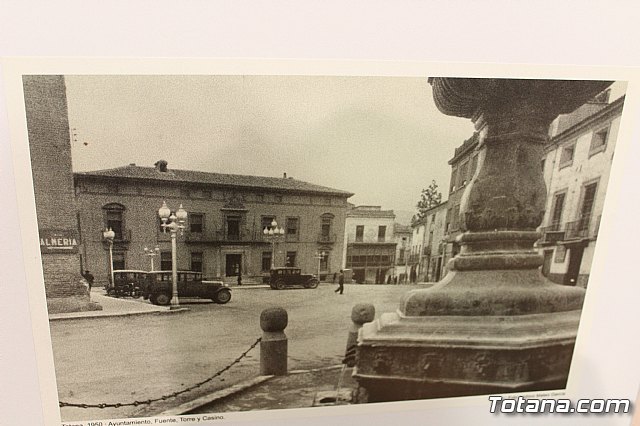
281, 278
159, 289
127, 283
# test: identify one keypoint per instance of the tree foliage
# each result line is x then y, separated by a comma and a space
429, 198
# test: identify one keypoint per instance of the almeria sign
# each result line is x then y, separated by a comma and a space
59, 241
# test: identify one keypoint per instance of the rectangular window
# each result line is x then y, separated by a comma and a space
462, 174
599, 141
452, 188
118, 261
196, 222
291, 259
566, 156
233, 228
474, 166
558, 207
114, 221
325, 227
359, 233
292, 228
265, 222
588, 200
266, 261
196, 261
165, 261
382, 230
401, 256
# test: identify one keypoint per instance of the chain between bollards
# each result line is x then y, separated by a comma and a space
164, 397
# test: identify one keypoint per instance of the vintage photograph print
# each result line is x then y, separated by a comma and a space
229, 243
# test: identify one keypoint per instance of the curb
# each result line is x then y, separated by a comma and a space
232, 390
214, 397
116, 314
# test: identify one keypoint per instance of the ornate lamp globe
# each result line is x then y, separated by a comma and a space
164, 212
109, 234
181, 215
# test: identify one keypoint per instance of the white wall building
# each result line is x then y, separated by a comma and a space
370, 244
576, 166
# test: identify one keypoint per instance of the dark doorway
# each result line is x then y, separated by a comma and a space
358, 275
573, 270
233, 264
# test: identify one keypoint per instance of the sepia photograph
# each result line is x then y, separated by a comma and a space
227, 243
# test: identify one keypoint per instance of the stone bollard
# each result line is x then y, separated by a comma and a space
360, 314
273, 347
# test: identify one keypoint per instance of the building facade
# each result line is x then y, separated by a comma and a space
404, 262
370, 244
576, 167
429, 243
464, 165
227, 214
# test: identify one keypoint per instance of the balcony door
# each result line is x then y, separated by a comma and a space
233, 228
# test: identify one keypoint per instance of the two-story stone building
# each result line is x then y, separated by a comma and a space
226, 218
370, 244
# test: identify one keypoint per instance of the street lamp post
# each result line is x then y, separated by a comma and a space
320, 256
109, 235
152, 253
173, 222
273, 233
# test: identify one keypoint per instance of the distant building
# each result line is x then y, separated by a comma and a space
429, 243
576, 167
404, 266
370, 244
227, 216
463, 167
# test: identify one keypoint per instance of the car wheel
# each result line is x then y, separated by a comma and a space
312, 283
163, 299
222, 297
280, 285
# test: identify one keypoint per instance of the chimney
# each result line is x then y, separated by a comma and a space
284, 175
161, 166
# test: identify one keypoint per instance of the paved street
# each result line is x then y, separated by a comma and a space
123, 359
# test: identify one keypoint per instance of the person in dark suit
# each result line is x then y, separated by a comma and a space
89, 277
340, 282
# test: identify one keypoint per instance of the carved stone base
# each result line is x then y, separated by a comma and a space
475, 332
403, 358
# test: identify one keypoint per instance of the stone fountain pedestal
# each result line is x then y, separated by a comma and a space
494, 324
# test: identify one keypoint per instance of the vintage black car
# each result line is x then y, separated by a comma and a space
281, 278
127, 283
158, 288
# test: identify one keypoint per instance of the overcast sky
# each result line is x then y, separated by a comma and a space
381, 138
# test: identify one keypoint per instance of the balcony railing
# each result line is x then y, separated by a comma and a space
577, 229
326, 238
553, 233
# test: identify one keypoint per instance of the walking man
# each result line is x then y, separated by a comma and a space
89, 277
340, 282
